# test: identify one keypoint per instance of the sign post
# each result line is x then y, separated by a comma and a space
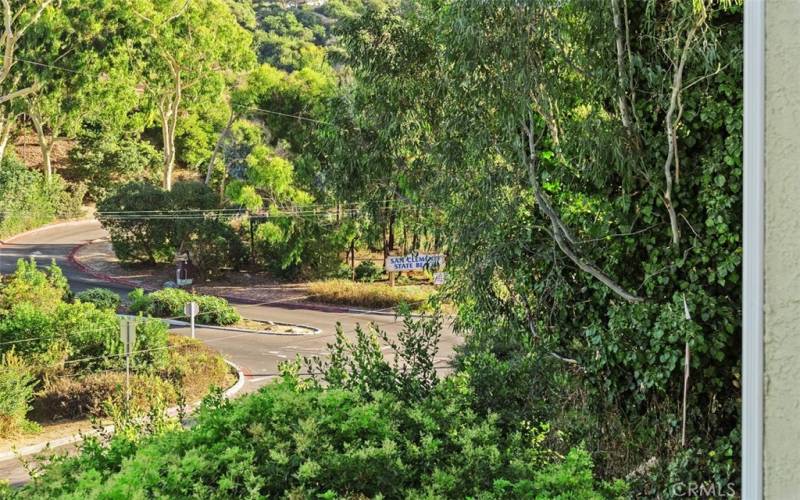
191, 309
127, 334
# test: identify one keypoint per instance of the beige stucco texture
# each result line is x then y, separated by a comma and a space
782, 252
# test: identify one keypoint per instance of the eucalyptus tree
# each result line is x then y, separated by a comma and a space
188, 50
79, 64
18, 18
586, 163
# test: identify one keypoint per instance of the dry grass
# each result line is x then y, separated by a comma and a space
193, 368
369, 295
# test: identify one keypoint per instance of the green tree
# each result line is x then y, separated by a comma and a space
188, 50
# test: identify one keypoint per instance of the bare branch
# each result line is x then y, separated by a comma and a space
557, 226
672, 143
625, 111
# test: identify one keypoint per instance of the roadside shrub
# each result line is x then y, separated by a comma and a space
301, 247
141, 238
103, 161
194, 367
139, 301
44, 289
16, 393
214, 247
25, 202
169, 303
68, 198
70, 397
291, 441
368, 272
103, 298
153, 237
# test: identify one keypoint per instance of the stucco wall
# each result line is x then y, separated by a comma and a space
782, 252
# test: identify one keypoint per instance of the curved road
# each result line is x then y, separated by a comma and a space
256, 355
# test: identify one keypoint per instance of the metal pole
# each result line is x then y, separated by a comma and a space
128, 364
191, 320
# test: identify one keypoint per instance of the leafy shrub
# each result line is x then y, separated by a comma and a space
301, 247
374, 295
104, 161
44, 289
139, 301
16, 392
139, 238
291, 441
360, 366
70, 397
194, 367
169, 303
103, 298
26, 199
152, 237
214, 247
367, 271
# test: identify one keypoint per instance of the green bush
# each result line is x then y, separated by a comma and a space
214, 247
45, 289
100, 297
104, 161
169, 303
301, 247
154, 237
296, 442
139, 301
16, 393
368, 272
139, 238
27, 201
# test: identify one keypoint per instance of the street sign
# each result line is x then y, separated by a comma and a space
419, 262
439, 278
191, 309
127, 334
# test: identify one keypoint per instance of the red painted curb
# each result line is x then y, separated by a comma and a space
73, 260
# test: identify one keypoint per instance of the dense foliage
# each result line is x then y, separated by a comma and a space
403, 437
102, 298
170, 302
588, 192
28, 201
45, 337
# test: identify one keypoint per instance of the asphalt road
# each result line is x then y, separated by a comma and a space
257, 355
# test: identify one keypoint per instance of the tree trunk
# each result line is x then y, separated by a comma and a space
353, 258
392, 217
218, 146
6, 128
169, 108
45, 145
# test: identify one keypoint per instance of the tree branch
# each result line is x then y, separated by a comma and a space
557, 226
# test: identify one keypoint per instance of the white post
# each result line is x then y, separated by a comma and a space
753, 245
191, 309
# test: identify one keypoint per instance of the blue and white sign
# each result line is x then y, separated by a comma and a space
403, 263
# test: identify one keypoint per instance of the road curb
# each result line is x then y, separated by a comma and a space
33, 449
175, 322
